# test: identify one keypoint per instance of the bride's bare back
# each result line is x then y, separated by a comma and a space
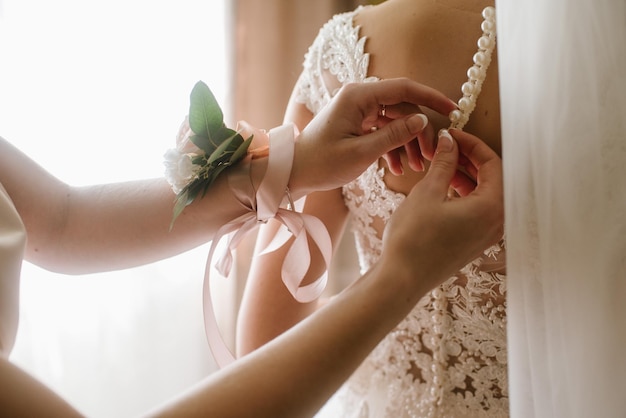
432, 42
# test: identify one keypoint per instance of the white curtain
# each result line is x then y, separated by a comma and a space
95, 92
563, 86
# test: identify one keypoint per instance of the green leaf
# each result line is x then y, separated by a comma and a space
199, 160
225, 148
241, 151
205, 114
213, 176
223, 133
204, 143
193, 189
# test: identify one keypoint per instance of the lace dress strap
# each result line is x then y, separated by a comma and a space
337, 56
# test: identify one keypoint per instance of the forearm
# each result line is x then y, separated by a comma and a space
112, 226
296, 373
120, 225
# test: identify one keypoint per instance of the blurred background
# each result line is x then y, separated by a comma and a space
95, 92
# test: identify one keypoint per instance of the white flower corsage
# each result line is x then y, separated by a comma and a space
205, 147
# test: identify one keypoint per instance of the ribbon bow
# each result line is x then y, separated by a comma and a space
262, 206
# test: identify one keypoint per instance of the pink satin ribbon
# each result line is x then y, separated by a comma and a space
262, 207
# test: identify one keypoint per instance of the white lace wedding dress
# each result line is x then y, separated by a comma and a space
448, 357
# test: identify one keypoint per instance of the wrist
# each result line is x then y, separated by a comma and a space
387, 294
403, 276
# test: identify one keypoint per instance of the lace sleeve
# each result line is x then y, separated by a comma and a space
335, 58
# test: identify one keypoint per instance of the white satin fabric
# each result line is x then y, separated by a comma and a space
12, 243
563, 90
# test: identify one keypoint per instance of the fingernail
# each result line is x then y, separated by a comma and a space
417, 122
421, 165
445, 143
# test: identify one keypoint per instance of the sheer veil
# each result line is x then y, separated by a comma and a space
563, 91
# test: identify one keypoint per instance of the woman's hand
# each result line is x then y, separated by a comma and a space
339, 143
433, 236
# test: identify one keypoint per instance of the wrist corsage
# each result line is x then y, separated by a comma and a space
205, 147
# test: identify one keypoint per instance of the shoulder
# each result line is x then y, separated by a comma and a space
340, 28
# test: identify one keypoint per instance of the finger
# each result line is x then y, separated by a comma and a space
462, 183
399, 110
412, 149
401, 90
393, 162
468, 166
443, 167
388, 113
381, 122
473, 149
414, 155
486, 162
393, 135
427, 142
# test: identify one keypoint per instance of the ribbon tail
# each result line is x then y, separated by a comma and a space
221, 353
280, 238
297, 260
225, 262
295, 265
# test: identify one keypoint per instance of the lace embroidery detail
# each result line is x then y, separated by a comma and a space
335, 58
448, 356
370, 201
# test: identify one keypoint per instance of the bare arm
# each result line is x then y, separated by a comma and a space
113, 226
104, 227
429, 238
